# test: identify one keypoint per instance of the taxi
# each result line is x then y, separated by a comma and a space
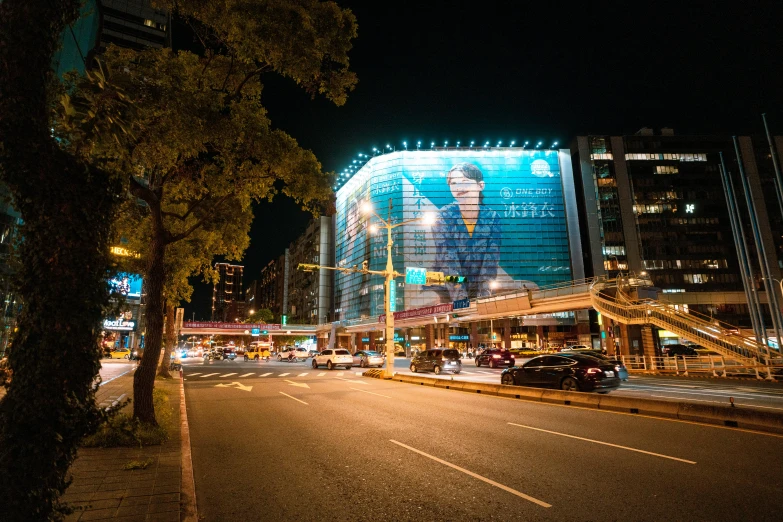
254, 353
120, 353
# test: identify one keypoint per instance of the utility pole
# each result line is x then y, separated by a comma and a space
389, 274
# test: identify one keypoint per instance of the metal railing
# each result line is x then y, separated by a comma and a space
711, 365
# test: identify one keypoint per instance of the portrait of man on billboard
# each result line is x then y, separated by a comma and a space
467, 235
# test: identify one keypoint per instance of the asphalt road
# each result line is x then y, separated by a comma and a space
334, 446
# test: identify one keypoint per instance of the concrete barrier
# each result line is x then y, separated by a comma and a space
737, 417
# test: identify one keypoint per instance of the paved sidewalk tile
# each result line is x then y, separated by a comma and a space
104, 490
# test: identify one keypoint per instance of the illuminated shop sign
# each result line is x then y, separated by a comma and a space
119, 324
127, 285
459, 338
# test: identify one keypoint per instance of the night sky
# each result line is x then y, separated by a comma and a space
488, 71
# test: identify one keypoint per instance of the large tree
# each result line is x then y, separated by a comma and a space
67, 205
200, 147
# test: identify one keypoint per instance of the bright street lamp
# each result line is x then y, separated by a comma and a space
390, 274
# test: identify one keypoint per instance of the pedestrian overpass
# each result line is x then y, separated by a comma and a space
255, 329
621, 299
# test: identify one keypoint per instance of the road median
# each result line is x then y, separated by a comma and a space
729, 416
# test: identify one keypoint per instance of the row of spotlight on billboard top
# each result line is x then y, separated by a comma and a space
362, 158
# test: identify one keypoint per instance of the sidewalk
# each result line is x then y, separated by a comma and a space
108, 492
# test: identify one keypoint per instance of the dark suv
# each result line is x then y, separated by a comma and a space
495, 357
678, 350
437, 361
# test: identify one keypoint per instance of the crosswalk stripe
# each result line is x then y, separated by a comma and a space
463, 371
194, 374
251, 373
340, 374
270, 373
321, 374
485, 373
228, 375
358, 374
303, 374
283, 374
208, 375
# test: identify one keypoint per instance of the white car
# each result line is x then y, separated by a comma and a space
332, 358
365, 359
299, 353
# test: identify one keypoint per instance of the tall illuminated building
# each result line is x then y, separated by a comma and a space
228, 299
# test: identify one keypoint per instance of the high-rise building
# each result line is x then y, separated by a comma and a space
655, 203
310, 292
134, 23
251, 297
228, 299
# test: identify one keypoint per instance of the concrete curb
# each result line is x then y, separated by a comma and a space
735, 417
189, 509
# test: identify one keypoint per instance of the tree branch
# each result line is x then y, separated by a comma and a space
140, 191
173, 238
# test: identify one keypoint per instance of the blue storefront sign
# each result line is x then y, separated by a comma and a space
459, 338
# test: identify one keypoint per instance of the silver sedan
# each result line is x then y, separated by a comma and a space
365, 359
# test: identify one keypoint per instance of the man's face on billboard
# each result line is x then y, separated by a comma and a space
465, 190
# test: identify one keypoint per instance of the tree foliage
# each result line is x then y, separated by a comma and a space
67, 205
264, 315
196, 146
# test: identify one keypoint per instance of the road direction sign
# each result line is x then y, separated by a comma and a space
415, 276
461, 303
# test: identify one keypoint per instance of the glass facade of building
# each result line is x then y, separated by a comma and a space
499, 220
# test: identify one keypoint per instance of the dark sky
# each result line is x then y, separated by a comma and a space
459, 70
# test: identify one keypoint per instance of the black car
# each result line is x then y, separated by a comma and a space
437, 361
678, 350
495, 357
570, 372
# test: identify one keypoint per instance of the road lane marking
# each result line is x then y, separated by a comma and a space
758, 406
358, 374
340, 374
300, 384
605, 443
321, 374
294, 398
372, 393
228, 375
270, 373
239, 386
283, 374
351, 380
194, 374
303, 374
209, 375
485, 373
475, 475
251, 373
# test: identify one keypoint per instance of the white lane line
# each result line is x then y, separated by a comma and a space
194, 374
251, 373
605, 443
228, 375
475, 475
294, 398
283, 374
303, 374
372, 393
270, 373
209, 375
351, 380
321, 374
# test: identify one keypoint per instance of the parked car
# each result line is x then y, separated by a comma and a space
622, 371
254, 353
333, 358
366, 359
494, 357
677, 350
120, 353
437, 361
567, 371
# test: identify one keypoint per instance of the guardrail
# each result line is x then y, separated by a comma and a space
712, 365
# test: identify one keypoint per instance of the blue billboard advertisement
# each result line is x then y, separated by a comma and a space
498, 220
127, 285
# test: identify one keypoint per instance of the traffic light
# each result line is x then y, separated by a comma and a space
284, 319
456, 279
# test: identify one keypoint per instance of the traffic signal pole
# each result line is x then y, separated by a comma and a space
390, 274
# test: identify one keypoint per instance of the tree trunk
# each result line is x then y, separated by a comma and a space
144, 378
67, 208
171, 339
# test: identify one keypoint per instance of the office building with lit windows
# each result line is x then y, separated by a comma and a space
654, 202
228, 299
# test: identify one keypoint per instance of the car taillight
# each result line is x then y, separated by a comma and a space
496, 357
594, 370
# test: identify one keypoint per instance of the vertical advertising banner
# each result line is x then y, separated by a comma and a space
127, 285
499, 221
